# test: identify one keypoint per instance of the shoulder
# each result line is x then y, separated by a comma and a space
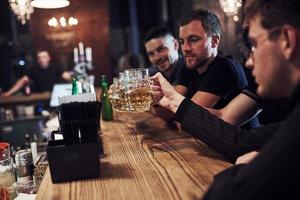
225, 62
226, 66
31, 70
54, 66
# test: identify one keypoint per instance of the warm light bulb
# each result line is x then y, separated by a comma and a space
72, 21
235, 18
63, 22
53, 22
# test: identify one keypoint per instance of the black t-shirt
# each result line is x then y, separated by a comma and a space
174, 74
44, 79
224, 77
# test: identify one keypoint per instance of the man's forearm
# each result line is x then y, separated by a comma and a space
228, 140
17, 86
175, 102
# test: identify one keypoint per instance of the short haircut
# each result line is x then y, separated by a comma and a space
156, 32
209, 20
41, 50
275, 13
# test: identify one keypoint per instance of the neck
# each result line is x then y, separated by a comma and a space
171, 69
203, 67
295, 81
44, 67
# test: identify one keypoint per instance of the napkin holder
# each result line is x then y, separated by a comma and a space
73, 162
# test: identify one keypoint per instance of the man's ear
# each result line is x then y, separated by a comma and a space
289, 41
215, 39
176, 43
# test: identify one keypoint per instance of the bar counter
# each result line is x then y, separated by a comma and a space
42, 96
144, 159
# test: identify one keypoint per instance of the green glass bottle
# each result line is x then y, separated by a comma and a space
74, 86
107, 112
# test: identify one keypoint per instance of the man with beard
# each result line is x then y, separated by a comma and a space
208, 79
163, 53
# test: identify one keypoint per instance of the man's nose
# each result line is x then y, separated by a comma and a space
156, 56
249, 62
185, 47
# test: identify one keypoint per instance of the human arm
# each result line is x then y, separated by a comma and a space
205, 99
239, 110
181, 89
273, 174
220, 83
17, 86
228, 140
246, 158
66, 76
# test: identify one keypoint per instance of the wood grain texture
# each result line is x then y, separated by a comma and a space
145, 159
34, 97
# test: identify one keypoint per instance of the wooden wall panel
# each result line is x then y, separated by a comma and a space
92, 30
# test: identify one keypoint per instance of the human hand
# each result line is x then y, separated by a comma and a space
5, 94
164, 93
246, 158
110, 91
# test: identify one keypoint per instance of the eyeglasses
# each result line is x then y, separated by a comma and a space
248, 47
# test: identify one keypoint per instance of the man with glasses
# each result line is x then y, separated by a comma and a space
274, 30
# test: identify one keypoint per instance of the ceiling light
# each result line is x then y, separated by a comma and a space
22, 9
50, 4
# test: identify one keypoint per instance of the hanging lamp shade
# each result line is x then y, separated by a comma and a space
50, 4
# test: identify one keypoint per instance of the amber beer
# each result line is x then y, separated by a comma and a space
139, 99
118, 100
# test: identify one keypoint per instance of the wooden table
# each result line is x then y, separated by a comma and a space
144, 159
41, 96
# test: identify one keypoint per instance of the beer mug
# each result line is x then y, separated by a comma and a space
138, 90
118, 95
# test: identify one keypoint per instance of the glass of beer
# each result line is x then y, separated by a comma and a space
118, 94
138, 90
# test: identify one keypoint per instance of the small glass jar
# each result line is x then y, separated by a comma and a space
24, 166
7, 178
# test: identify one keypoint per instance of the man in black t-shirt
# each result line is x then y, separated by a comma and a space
43, 76
209, 80
224, 78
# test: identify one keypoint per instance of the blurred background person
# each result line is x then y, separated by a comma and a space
40, 77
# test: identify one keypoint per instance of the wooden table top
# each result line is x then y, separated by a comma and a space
41, 96
145, 159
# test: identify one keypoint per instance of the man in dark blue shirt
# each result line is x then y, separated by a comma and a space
163, 53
